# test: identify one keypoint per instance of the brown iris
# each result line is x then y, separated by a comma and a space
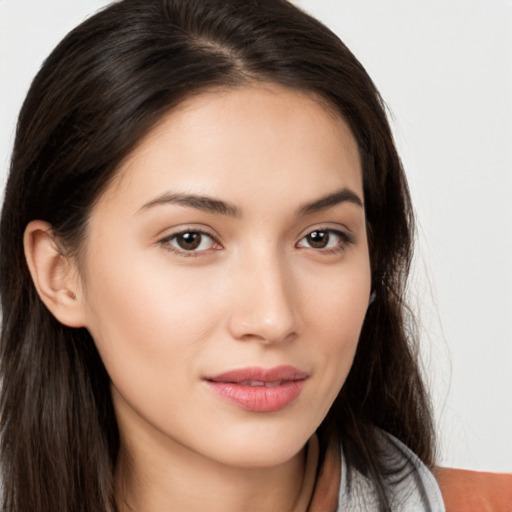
318, 239
189, 241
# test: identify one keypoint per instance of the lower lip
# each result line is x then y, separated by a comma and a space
258, 398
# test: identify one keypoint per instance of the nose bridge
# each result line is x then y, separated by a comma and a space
264, 303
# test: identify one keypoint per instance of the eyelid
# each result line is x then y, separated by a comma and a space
336, 228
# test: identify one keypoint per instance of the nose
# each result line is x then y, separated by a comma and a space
265, 303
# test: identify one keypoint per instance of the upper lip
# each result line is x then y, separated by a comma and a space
255, 373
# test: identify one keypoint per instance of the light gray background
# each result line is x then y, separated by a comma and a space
445, 69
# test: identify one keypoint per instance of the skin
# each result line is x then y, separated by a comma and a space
255, 292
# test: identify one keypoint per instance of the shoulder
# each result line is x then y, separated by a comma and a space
463, 489
414, 488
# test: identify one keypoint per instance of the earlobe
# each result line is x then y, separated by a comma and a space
55, 276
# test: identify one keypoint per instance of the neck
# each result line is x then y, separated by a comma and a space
188, 483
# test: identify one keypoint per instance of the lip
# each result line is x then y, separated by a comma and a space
259, 389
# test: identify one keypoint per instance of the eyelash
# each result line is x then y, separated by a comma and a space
345, 240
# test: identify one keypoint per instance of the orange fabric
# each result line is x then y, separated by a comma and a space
474, 491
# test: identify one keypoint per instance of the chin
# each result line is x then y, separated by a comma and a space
263, 448
262, 458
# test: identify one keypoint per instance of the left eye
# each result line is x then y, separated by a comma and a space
323, 239
190, 241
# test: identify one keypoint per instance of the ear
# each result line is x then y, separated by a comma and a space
55, 276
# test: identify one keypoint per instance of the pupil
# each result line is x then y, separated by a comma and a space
189, 241
318, 239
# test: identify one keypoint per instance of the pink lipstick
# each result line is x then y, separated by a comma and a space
259, 389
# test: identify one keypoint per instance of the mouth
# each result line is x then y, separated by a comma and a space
260, 383
259, 389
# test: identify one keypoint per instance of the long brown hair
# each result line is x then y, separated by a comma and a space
100, 91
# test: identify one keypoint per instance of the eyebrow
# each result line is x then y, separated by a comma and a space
344, 195
212, 205
204, 203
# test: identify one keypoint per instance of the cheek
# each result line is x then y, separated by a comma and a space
148, 318
337, 311
338, 301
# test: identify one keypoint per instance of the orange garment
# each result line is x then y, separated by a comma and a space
475, 491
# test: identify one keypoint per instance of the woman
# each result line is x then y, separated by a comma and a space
205, 240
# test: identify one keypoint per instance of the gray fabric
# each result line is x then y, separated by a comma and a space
415, 488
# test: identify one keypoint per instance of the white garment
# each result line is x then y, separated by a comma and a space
416, 489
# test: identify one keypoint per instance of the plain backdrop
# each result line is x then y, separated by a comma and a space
444, 67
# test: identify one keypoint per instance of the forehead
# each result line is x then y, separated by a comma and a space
239, 141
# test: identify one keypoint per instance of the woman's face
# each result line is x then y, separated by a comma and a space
226, 276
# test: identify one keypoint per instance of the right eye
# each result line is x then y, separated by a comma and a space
190, 242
